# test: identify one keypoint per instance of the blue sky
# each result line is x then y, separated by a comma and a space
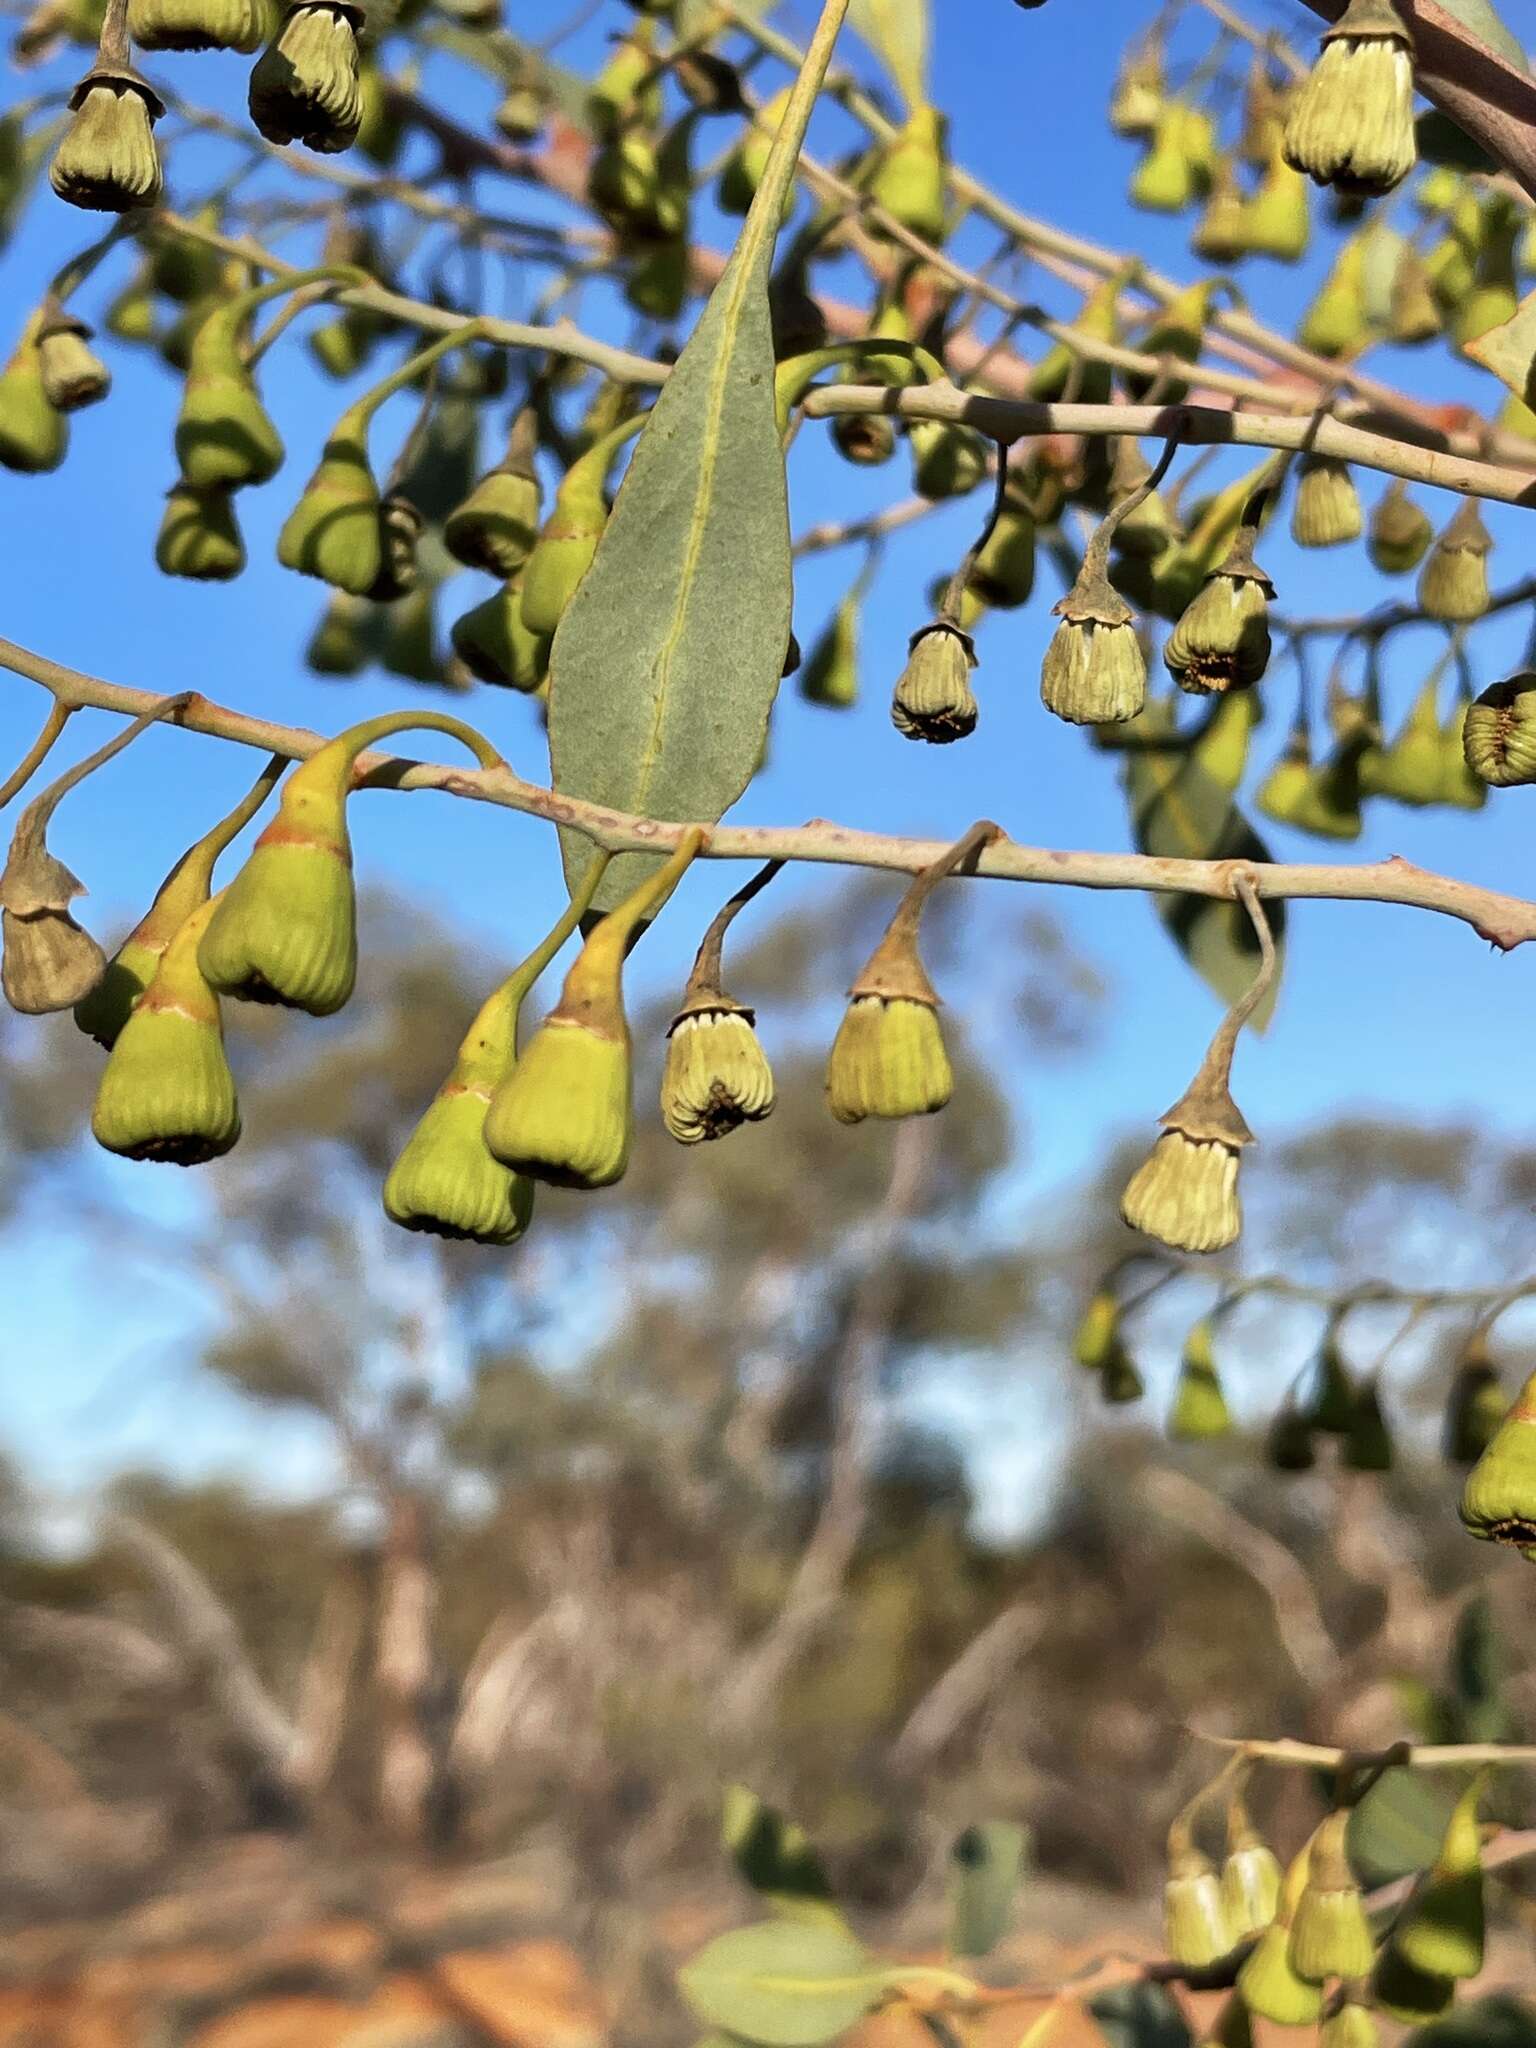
1381, 1008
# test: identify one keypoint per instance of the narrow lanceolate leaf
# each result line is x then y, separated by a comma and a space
898, 33
786, 1984
1481, 19
666, 664
1509, 350
1179, 811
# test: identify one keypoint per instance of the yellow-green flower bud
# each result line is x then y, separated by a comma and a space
716, 1076
624, 185
166, 1092
1094, 672
1004, 572
744, 167
1441, 1930
521, 115
1144, 530
1222, 640
1268, 1981
888, 1060
33, 433
497, 524
1327, 512
947, 459
198, 536
1412, 769
1277, 218
1349, 2025
567, 544
1351, 122
197, 24
1185, 1194
1498, 1503
223, 433
933, 699
1330, 1935
400, 530
1138, 96
494, 643
1414, 310
1336, 323
1368, 1443
305, 85
1119, 1381
1458, 785
831, 672
1221, 233
445, 1180
627, 91
1400, 532
908, 179
1194, 1920
73, 375
339, 644
1407, 1994
1200, 1409
1097, 1336
1453, 585
1165, 181
564, 1114
131, 314
1250, 1878
1499, 735
107, 160
334, 530
1475, 1405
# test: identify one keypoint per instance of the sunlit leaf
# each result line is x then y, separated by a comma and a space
785, 1984
898, 32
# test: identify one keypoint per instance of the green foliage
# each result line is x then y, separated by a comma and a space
786, 1983
986, 1867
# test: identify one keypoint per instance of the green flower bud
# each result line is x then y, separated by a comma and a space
1139, 95
568, 541
1458, 785
445, 1180
1327, 512
1414, 312
866, 440
334, 530
305, 85
1277, 218
223, 433
1185, 1193
408, 641
744, 167
1003, 574
1349, 2025
1222, 640
624, 185
947, 460
1094, 672
522, 113
933, 699
908, 180
564, 1114
1289, 1446
1336, 323
1119, 1381
627, 91
1412, 769
1268, 1981
198, 536
1146, 529
34, 434
1441, 1930
197, 24
1330, 1935
1499, 735
338, 645
1097, 1336
1407, 1994
717, 1075
1165, 180
131, 315
1351, 122
73, 376
1400, 532
1221, 233
1368, 1440
1200, 1409
888, 1060
496, 526
1475, 1405
400, 529
1454, 583
107, 161
1194, 1920
495, 645
1283, 793
166, 1092
1498, 1503
1250, 1878
831, 673
1065, 369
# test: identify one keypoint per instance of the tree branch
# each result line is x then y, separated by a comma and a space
1504, 921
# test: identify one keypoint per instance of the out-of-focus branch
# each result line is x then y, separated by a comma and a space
961, 1691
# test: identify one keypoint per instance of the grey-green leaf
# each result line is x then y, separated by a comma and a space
898, 32
1178, 811
666, 663
784, 1984
1481, 19
985, 1867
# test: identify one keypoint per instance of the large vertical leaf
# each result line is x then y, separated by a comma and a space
666, 663
1179, 811
898, 32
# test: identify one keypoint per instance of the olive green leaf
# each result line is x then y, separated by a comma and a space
775, 1858
1481, 19
1180, 811
898, 33
667, 661
985, 1867
785, 1984
1509, 349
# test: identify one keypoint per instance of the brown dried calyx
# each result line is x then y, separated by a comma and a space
48, 961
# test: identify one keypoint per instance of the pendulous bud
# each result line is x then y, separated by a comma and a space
1407, 1994
1498, 1503
1250, 1876
1222, 640
908, 180
1400, 532
107, 160
1349, 2025
334, 531
1094, 672
446, 1181
223, 433
1268, 1981
73, 374
1327, 512
494, 643
933, 698
1185, 1193
888, 1060
166, 1092
1453, 585
1194, 1919
717, 1075
1499, 736
1330, 1935
497, 524
400, 531
305, 85
1441, 1931
1097, 1337
34, 434
1351, 122
198, 24
1475, 1405
198, 536
1200, 1409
